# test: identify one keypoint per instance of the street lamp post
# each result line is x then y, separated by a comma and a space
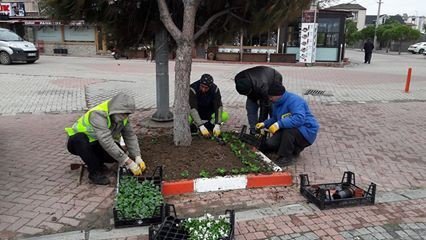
377, 25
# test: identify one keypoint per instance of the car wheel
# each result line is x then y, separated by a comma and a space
5, 58
421, 51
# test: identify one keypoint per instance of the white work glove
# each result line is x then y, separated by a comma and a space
141, 163
133, 167
216, 130
204, 131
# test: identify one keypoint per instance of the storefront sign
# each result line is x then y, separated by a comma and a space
308, 42
15, 9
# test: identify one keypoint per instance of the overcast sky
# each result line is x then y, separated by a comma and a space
392, 7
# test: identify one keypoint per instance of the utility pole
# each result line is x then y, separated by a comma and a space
377, 25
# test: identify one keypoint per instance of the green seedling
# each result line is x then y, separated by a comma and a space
137, 200
184, 174
204, 174
221, 171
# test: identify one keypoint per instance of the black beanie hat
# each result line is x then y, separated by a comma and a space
243, 83
207, 80
276, 89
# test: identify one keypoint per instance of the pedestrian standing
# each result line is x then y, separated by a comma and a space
368, 51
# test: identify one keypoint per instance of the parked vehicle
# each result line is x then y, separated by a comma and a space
15, 49
117, 54
417, 48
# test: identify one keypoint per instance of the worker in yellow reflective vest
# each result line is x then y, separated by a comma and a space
95, 136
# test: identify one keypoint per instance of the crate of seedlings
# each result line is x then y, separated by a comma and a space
206, 227
139, 200
334, 195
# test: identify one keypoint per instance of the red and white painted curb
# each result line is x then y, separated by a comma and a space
199, 185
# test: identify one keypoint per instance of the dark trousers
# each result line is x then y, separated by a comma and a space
92, 153
287, 142
367, 57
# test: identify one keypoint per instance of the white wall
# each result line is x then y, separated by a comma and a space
362, 14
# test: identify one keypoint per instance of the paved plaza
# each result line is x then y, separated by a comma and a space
369, 125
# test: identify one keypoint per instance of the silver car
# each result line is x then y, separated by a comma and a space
15, 49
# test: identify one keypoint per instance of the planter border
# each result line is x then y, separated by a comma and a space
278, 178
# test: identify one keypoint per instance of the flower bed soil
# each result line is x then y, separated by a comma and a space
204, 155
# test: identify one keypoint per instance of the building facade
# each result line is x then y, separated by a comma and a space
51, 37
358, 12
417, 22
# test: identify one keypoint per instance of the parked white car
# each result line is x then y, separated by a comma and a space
417, 48
15, 49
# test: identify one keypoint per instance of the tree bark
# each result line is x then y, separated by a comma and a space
182, 135
399, 48
184, 40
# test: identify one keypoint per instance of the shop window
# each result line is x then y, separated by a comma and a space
293, 36
328, 32
79, 33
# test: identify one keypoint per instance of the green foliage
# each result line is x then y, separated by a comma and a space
351, 30
207, 228
184, 174
154, 140
366, 33
204, 174
252, 162
134, 22
137, 200
394, 31
221, 171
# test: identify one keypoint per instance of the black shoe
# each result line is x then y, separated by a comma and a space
98, 178
104, 169
284, 161
297, 152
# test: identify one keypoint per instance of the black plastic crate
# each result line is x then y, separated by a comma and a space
254, 140
334, 195
172, 228
160, 211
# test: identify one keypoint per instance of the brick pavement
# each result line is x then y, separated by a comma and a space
380, 140
39, 193
59, 84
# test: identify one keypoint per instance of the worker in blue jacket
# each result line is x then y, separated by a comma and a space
292, 124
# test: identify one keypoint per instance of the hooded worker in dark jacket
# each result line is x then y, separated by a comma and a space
254, 83
205, 101
95, 136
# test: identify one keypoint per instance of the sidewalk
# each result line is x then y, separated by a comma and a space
368, 126
390, 218
40, 194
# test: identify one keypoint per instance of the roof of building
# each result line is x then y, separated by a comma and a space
348, 6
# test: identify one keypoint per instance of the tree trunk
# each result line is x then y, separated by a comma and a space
399, 48
182, 134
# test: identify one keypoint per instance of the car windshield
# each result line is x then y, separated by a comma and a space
9, 36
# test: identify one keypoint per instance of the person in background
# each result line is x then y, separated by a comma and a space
368, 51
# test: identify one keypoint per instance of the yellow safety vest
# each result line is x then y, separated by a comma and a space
83, 124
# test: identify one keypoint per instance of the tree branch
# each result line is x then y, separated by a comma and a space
209, 21
167, 20
240, 18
